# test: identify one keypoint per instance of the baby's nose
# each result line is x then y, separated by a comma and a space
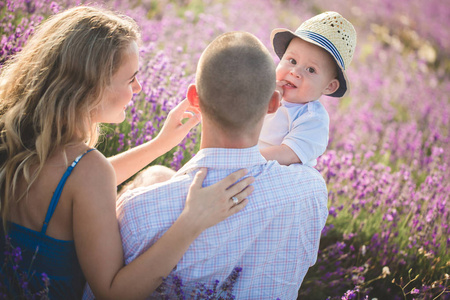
294, 74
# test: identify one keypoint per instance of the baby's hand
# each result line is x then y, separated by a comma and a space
279, 86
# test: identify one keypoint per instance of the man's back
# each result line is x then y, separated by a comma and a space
274, 239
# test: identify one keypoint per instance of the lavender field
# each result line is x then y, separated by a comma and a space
387, 163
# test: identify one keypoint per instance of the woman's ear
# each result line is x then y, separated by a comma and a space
332, 87
274, 102
192, 96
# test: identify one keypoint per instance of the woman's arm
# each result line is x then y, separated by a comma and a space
130, 162
98, 241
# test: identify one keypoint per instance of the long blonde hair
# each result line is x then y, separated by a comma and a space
49, 90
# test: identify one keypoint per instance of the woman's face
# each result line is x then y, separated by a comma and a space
124, 84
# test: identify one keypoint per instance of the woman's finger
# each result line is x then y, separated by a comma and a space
180, 108
213, 204
239, 197
194, 109
191, 122
238, 207
198, 178
183, 105
231, 179
239, 186
187, 115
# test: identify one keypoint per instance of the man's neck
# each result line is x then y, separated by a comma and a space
228, 144
213, 137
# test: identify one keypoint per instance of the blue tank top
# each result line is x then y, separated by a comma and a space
43, 254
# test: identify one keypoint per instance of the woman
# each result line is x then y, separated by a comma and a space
79, 69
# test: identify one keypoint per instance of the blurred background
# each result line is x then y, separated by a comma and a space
387, 163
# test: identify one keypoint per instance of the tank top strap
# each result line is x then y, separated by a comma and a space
58, 191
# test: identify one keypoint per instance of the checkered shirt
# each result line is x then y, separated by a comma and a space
274, 239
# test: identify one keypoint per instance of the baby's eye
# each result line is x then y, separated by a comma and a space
292, 61
311, 70
133, 80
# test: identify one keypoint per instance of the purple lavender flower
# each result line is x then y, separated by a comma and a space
178, 287
15, 279
54, 7
45, 279
229, 283
351, 294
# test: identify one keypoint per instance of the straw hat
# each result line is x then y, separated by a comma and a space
329, 31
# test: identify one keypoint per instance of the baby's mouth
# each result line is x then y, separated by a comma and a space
289, 84
285, 83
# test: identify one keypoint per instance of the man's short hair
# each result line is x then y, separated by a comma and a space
235, 80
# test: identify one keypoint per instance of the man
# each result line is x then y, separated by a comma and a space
275, 238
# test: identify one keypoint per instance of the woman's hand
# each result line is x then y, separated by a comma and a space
173, 131
207, 206
130, 162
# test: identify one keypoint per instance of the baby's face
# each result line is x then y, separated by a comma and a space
305, 72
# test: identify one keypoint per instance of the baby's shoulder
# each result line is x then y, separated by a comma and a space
316, 107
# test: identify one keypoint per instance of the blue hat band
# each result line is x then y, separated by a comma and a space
324, 42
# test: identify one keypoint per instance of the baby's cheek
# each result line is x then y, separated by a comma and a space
280, 71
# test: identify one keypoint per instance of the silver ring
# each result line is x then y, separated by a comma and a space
235, 199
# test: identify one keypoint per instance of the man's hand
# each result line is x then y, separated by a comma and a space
279, 87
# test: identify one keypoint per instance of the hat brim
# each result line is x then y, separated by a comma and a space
281, 38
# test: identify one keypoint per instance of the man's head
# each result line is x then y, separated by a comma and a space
235, 81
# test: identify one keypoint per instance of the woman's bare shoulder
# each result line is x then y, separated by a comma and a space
92, 175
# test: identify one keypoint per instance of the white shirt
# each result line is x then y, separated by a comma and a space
302, 127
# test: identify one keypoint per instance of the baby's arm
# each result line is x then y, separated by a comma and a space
282, 153
306, 140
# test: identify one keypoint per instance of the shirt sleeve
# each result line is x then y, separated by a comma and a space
308, 136
128, 229
143, 218
319, 208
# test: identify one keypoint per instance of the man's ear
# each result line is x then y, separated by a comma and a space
192, 96
274, 102
332, 87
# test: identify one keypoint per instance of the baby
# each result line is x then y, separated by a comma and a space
313, 63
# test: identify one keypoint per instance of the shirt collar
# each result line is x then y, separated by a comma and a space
224, 158
290, 104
